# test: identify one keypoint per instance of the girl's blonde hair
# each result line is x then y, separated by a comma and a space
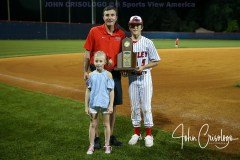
99, 54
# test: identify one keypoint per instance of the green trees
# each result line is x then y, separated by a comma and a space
232, 26
215, 15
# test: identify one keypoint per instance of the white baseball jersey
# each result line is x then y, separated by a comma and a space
140, 86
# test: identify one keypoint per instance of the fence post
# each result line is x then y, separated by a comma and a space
40, 10
8, 10
93, 12
46, 30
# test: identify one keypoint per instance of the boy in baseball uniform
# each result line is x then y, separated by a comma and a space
99, 99
140, 82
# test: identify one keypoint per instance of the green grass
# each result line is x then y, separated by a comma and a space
237, 84
187, 43
15, 48
39, 126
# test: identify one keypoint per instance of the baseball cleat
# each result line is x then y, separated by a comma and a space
134, 139
148, 141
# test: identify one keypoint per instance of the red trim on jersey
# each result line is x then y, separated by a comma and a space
99, 39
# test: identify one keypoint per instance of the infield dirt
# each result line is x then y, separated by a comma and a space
191, 86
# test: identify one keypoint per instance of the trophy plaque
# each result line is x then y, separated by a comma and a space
126, 60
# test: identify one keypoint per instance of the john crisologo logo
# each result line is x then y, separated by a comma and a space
221, 141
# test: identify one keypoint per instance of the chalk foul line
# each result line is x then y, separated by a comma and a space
51, 85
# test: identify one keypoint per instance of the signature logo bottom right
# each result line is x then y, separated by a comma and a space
221, 141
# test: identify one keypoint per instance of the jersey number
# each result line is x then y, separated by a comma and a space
143, 62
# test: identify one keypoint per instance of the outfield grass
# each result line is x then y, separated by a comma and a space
13, 48
187, 43
39, 126
237, 84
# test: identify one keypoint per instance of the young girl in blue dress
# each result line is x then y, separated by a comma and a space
99, 99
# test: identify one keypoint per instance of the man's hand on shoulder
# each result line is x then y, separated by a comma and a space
109, 62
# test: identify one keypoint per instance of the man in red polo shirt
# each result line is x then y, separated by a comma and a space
106, 38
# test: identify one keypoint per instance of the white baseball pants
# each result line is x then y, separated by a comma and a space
140, 92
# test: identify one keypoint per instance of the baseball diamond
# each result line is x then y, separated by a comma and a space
115, 79
191, 86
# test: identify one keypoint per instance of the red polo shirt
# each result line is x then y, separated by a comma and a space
99, 40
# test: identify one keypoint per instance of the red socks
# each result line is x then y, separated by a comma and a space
148, 131
137, 130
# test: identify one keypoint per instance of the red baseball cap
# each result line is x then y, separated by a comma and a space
135, 20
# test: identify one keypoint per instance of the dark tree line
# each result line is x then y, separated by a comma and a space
175, 15
215, 15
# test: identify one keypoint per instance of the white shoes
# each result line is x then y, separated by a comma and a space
90, 149
108, 149
134, 139
148, 141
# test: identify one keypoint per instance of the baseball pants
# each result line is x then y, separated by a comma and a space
140, 92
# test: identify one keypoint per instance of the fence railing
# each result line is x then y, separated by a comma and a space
46, 30
50, 30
